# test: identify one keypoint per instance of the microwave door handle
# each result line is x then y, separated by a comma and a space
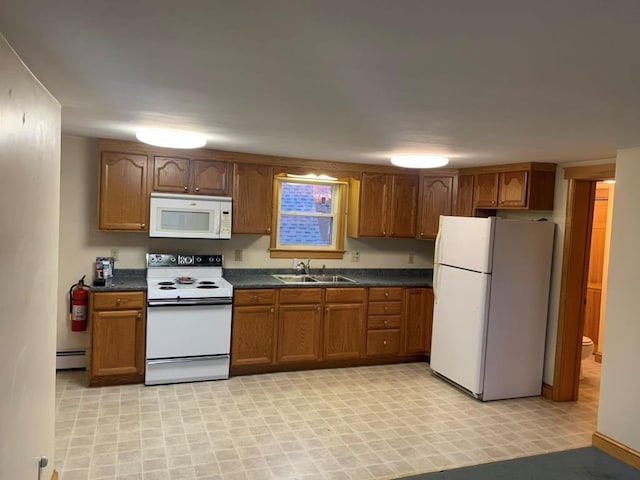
216, 222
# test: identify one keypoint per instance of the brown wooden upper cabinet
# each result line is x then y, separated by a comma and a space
252, 198
191, 176
464, 196
518, 186
383, 205
124, 192
436, 198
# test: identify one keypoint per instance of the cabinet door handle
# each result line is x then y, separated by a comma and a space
384, 233
326, 309
386, 308
142, 225
384, 342
272, 310
268, 230
386, 294
318, 309
385, 322
422, 234
186, 188
139, 315
197, 189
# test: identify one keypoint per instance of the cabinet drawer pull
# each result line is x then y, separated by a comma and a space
385, 322
386, 294
384, 342
386, 308
118, 301
254, 298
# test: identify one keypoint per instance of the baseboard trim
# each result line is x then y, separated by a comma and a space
547, 391
616, 449
69, 359
597, 357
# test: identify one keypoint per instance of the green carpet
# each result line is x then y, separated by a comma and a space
580, 464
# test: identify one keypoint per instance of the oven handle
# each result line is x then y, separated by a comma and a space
184, 359
186, 302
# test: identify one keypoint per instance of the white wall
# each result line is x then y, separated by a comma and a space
619, 385
81, 242
29, 195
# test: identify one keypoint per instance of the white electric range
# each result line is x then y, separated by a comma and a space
188, 319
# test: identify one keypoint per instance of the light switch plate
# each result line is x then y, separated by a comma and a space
238, 255
114, 253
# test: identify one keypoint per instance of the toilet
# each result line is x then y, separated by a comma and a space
587, 350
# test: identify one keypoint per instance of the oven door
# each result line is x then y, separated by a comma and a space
188, 331
187, 342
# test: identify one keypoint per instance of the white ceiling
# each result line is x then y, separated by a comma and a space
485, 82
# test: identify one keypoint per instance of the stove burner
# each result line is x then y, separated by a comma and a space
166, 283
167, 287
207, 286
207, 282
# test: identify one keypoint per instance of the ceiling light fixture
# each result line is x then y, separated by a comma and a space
162, 137
415, 160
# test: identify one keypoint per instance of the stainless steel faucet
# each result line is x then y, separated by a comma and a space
304, 267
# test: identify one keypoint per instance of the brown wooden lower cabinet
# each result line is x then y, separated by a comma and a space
253, 337
316, 327
117, 338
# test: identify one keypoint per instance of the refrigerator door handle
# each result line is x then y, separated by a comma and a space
436, 267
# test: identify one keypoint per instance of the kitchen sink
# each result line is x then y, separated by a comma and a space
295, 278
312, 278
331, 279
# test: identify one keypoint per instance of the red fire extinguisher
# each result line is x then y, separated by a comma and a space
78, 306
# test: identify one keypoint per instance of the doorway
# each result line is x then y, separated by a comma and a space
581, 194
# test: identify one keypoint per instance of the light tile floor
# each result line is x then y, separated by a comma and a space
362, 423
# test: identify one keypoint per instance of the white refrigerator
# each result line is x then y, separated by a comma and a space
491, 293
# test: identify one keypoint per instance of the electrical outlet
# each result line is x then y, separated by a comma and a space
238, 256
355, 256
114, 253
411, 255
295, 262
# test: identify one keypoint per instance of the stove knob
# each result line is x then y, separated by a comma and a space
172, 259
198, 259
211, 259
219, 259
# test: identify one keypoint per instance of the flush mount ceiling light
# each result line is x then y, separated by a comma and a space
162, 137
415, 160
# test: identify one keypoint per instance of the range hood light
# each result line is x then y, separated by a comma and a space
162, 137
415, 160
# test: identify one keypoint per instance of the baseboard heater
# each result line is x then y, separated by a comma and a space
68, 359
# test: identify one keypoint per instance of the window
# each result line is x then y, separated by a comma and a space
309, 219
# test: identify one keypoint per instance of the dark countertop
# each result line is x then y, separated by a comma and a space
384, 277
135, 279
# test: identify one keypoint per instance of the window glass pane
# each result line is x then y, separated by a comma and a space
304, 230
304, 197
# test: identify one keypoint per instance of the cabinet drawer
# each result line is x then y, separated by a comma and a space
300, 295
254, 297
383, 342
345, 295
380, 294
116, 300
384, 321
385, 308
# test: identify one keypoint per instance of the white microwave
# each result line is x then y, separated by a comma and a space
189, 216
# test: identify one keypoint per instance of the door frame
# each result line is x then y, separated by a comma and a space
575, 265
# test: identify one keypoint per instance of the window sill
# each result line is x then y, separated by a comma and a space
283, 253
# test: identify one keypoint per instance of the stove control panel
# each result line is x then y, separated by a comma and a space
177, 260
